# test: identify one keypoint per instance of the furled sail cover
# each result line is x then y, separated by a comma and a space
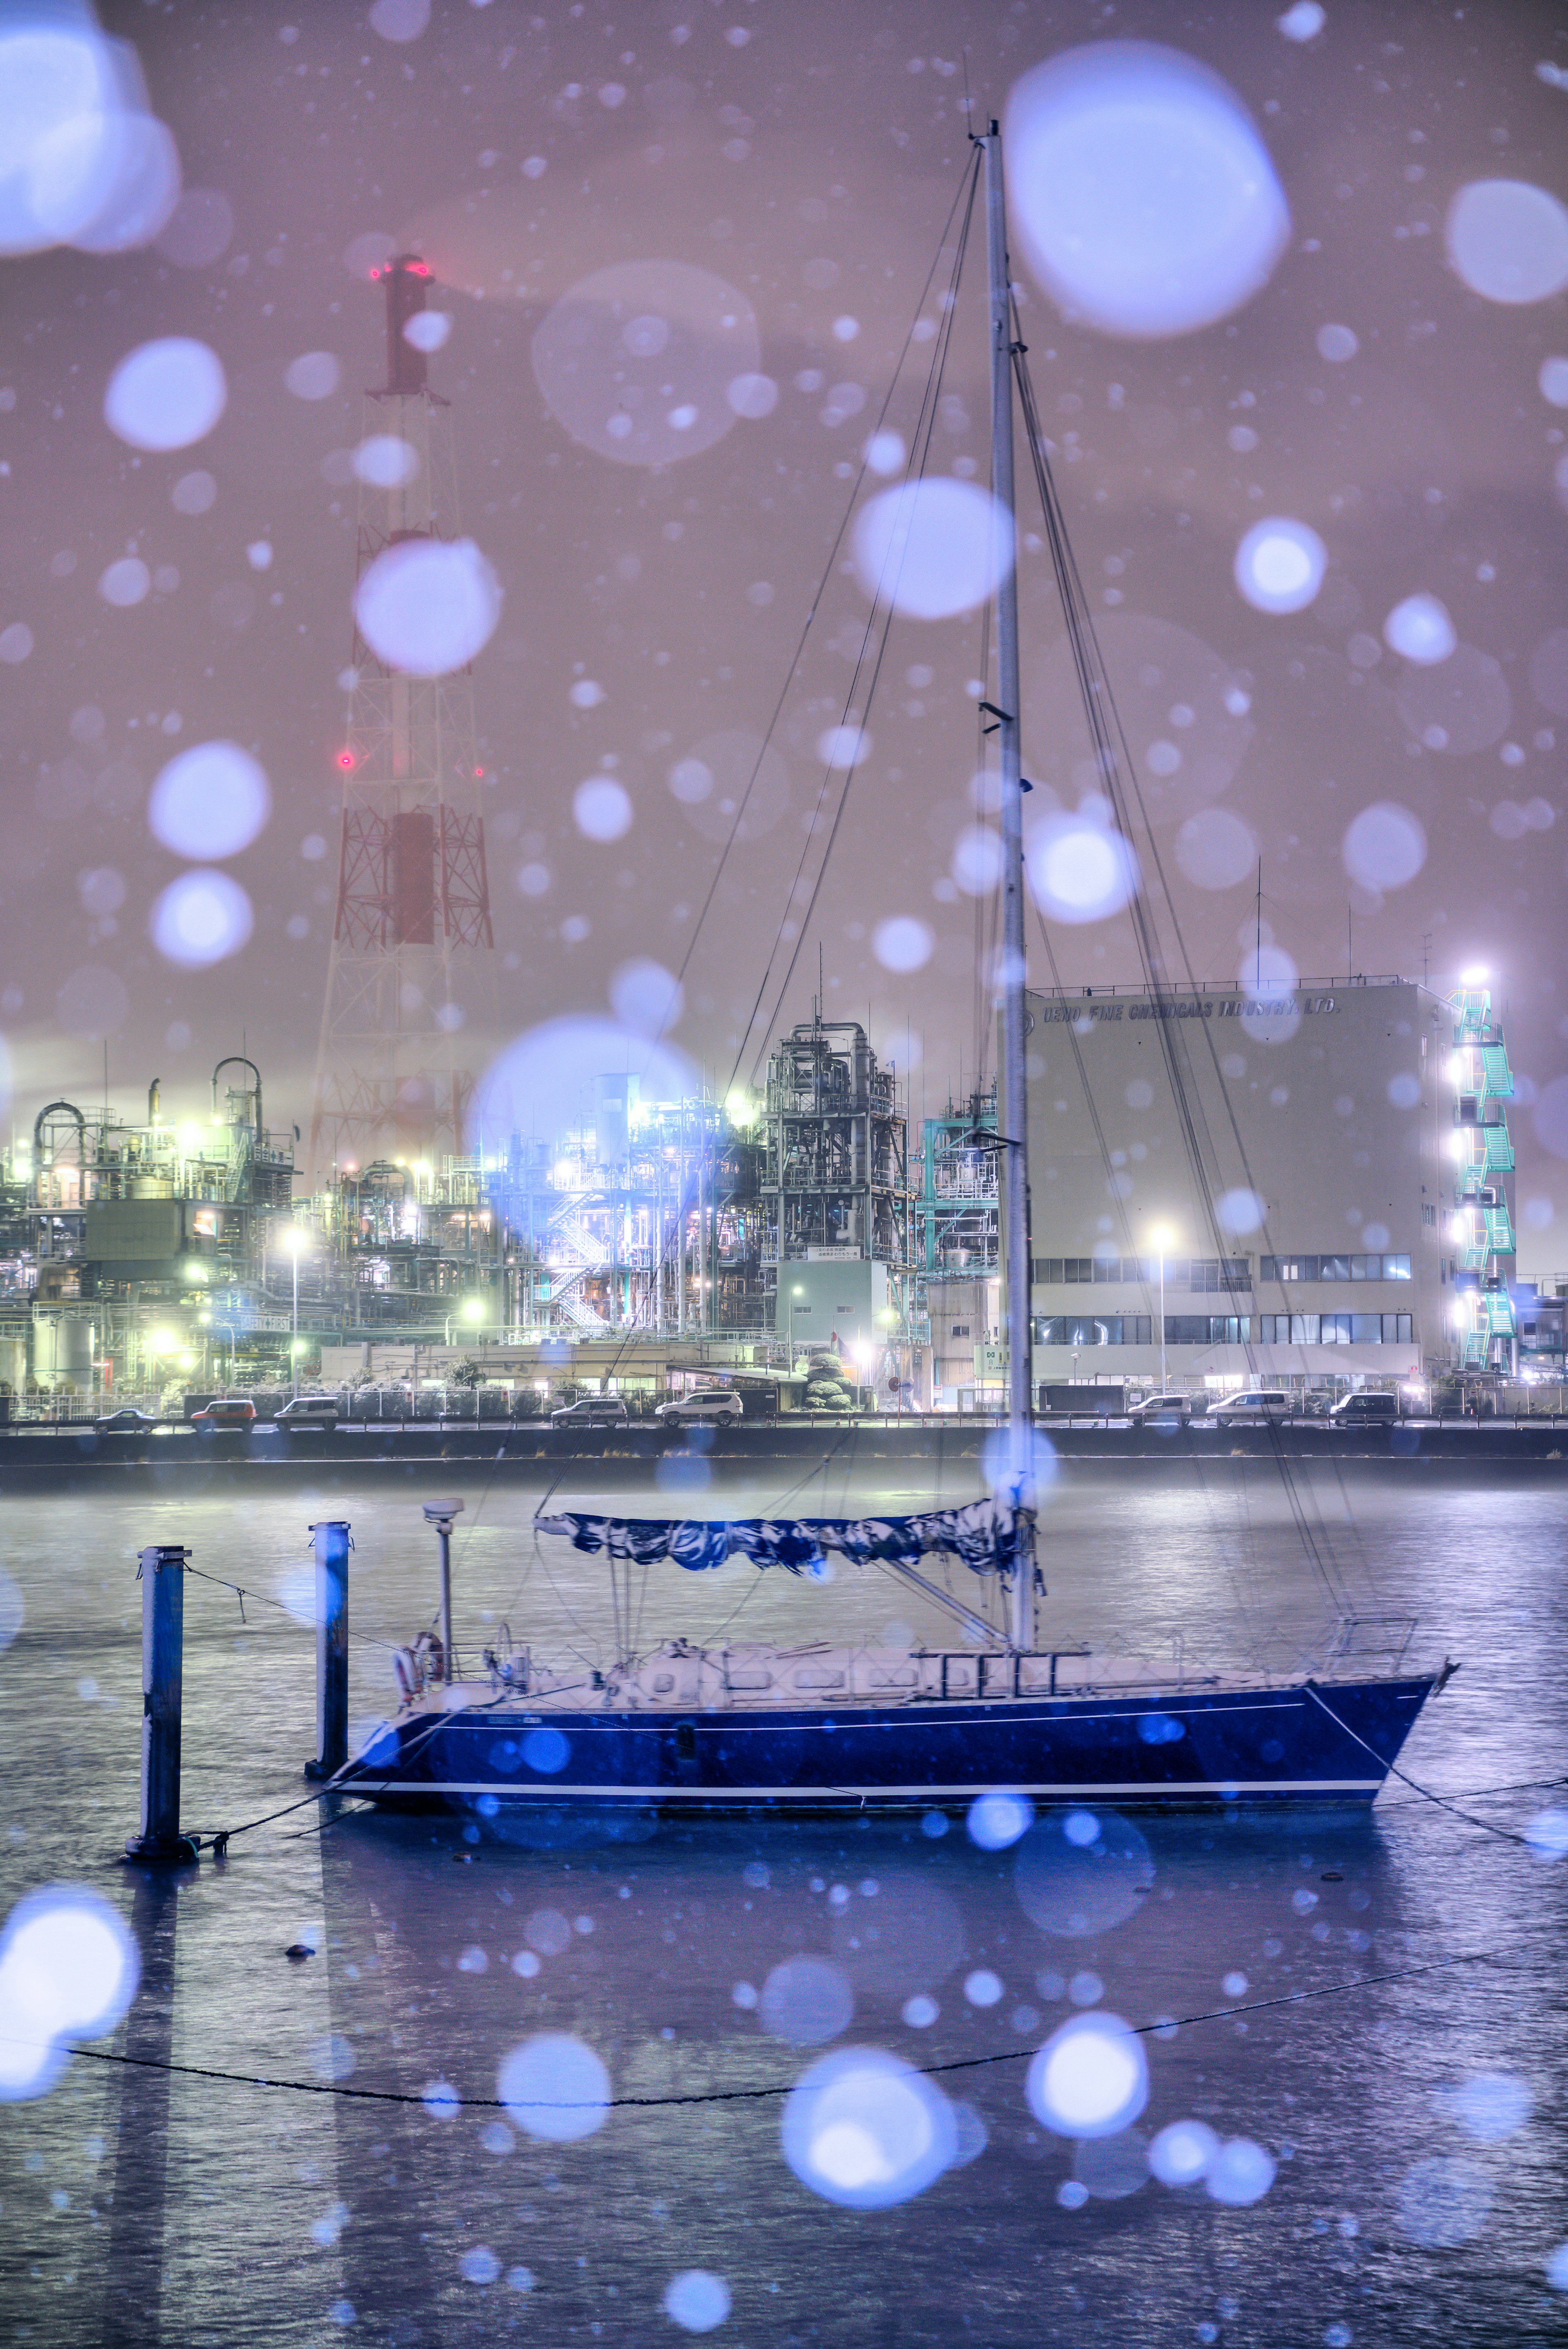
990, 1537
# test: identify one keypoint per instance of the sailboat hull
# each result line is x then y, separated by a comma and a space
1160, 1752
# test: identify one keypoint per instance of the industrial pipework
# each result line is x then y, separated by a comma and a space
238, 1061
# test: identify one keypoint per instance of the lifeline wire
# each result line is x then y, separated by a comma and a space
782, 2088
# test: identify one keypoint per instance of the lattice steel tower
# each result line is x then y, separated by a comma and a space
412, 923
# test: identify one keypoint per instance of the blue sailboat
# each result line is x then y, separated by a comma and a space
818, 1727
745, 1729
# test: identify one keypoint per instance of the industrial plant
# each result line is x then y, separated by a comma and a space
1362, 1158
144, 1256
1314, 1189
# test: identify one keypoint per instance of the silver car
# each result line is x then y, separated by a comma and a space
593, 1411
311, 1411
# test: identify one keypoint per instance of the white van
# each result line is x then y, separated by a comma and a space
311, 1411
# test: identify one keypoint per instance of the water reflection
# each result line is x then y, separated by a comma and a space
1275, 2169
132, 2311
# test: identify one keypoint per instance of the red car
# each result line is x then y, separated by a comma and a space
224, 1411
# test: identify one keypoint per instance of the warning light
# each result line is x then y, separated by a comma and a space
478, 772
346, 759
417, 268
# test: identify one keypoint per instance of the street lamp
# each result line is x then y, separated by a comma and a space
296, 1244
1162, 1236
789, 1322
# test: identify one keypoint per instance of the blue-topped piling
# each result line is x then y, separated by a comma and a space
163, 1660
332, 1547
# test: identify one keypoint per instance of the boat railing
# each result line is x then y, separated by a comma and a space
1361, 1639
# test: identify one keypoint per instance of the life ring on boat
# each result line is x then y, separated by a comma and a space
410, 1680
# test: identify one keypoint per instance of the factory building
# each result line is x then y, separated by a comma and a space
1353, 1207
646, 1217
958, 1252
136, 1256
835, 1194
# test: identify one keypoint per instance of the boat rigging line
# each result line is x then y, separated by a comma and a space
1116, 771
963, 197
965, 189
879, 624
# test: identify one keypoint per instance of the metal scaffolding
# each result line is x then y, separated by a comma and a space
835, 1182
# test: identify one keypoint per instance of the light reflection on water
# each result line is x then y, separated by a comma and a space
1396, 2210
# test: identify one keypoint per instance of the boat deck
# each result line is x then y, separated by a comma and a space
683, 1678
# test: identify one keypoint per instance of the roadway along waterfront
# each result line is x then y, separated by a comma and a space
945, 1444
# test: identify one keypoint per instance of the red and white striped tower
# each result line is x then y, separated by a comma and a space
413, 929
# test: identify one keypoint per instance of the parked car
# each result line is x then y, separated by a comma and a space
593, 1411
125, 1422
225, 1411
1162, 1406
1250, 1403
1366, 1410
705, 1407
311, 1411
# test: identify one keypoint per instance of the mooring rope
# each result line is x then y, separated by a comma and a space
441, 2099
1509, 1835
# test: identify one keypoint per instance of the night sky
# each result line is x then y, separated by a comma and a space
807, 157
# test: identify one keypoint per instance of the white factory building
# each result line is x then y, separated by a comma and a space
1354, 1199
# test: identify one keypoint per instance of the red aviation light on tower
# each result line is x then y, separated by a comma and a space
347, 761
408, 280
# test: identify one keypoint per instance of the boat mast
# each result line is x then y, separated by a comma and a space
1013, 1105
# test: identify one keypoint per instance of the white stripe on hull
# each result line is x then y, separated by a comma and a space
1228, 1789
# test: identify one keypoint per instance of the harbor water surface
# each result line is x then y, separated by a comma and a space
1376, 2002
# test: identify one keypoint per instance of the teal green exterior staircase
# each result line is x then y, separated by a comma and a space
1482, 1227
